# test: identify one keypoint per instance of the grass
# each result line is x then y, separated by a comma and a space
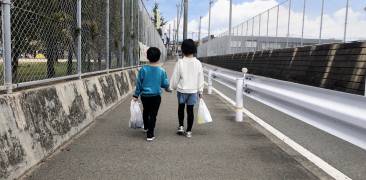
37, 71
32, 71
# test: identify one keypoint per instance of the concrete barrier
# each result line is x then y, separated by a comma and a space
35, 122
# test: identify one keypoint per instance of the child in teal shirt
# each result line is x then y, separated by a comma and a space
151, 78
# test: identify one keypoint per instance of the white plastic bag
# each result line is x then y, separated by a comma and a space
203, 115
136, 120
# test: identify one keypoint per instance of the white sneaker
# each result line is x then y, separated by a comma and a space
180, 130
150, 139
189, 134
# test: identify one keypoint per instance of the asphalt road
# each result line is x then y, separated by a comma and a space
223, 149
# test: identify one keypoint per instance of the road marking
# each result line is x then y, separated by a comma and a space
327, 168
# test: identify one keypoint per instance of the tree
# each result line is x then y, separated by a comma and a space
157, 19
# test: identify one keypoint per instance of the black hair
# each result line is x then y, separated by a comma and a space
153, 54
188, 47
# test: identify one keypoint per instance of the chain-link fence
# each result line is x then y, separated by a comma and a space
293, 23
48, 40
43, 39
148, 34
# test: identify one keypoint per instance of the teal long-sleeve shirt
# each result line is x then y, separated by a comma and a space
150, 80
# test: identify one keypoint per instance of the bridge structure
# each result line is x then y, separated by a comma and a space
293, 112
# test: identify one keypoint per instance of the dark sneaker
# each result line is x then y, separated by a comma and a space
189, 134
180, 130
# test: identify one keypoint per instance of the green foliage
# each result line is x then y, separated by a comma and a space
157, 19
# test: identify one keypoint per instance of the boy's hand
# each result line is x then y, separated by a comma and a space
200, 95
168, 90
135, 98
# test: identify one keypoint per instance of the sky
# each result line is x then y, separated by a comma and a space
333, 21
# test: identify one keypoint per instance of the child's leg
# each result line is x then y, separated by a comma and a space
155, 104
190, 117
181, 114
192, 100
146, 111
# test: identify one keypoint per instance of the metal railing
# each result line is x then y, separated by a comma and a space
44, 41
340, 114
292, 23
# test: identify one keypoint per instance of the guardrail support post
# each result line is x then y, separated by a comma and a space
239, 100
240, 96
209, 82
6, 18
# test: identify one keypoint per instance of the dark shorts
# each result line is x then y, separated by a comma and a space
187, 98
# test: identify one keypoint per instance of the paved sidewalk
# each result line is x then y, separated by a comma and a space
223, 149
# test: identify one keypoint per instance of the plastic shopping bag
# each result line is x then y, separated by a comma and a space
136, 120
203, 115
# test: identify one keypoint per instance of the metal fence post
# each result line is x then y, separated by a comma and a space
246, 37
277, 19
6, 18
123, 33
241, 38
78, 14
321, 23
209, 82
303, 23
346, 22
252, 43
107, 35
288, 24
267, 30
259, 42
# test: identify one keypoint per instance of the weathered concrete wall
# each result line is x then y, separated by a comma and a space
340, 67
35, 122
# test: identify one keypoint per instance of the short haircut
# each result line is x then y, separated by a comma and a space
188, 47
153, 54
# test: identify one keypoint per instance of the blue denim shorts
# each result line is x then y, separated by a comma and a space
189, 99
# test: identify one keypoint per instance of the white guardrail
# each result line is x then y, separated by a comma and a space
340, 114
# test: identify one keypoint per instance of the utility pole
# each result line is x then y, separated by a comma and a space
230, 22
185, 20
177, 30
199, 31
209, 20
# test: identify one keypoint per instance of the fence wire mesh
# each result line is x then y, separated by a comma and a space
292, 23
115, 43
93, 35
44, 38
147, 32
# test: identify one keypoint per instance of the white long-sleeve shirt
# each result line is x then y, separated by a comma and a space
187, 76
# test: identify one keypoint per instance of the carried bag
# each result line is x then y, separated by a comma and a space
203, 115
136, 120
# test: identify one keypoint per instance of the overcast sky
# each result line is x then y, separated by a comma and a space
334, 16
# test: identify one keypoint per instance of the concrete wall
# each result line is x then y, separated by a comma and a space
340, 67
35, 122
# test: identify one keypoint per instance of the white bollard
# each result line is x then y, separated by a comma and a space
209, 82
239, 100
